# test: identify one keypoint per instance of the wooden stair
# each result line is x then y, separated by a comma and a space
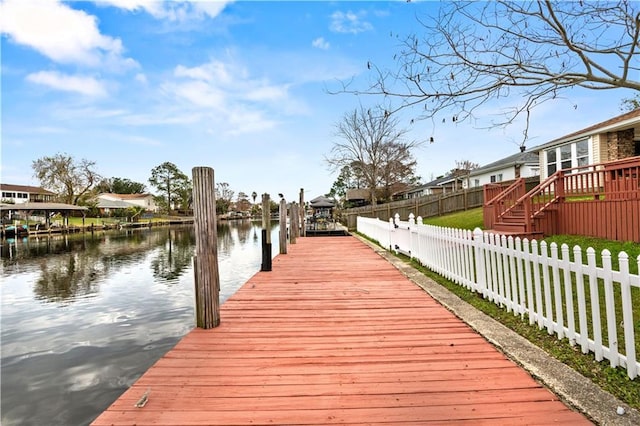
514, 223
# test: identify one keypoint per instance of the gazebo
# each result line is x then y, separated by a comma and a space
322, 207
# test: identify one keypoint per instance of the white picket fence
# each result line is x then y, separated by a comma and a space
531, 279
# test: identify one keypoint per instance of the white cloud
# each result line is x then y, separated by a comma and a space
349, 22
216, 84
61, 33
88, 86
320, 43
141, 78
248, 121
230, 98
174, 11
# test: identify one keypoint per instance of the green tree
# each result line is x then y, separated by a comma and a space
69, 178
346, 180
630, 104
470, 53
116, 185
243, 203
373, 145
224, 197
171, 183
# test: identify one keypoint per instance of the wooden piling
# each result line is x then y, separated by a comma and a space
207, 279
303, 215
266, 233
292, 223
283, 226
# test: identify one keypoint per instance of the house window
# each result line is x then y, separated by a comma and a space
22, 195
582, 153
567, 156
476, 182
552, 167
496, 178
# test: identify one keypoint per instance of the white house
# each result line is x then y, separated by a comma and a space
18, 194
523, 164
145, 201
442, 185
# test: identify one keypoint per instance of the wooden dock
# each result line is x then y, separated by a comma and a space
335, 335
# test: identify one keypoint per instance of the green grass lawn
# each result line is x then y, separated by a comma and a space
467, 219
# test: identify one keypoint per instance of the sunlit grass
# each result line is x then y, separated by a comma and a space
467, 219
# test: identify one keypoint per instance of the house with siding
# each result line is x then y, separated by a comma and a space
115, 201
524, 164
18, 194
441, 185
589, 185
610, 140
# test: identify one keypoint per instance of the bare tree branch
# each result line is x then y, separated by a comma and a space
473, 53
374, 147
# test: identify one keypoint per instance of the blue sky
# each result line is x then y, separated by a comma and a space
237, 86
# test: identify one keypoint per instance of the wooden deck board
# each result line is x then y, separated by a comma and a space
335, 335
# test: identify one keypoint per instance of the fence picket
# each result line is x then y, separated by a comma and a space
612, 335
557, 291
521, 282
568, 293
529, 282
544, 261
595, 303
536, 282
582, 306
512, 273
627, 316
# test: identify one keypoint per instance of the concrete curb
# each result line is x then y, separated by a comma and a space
569, 385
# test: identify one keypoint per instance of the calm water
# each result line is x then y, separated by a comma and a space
84, 316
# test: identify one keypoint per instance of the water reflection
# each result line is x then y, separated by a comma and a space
169, 264
84, 315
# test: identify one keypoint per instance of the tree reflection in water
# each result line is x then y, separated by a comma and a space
176, 250
73, 266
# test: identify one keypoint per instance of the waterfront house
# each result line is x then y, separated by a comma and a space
109, 201
590, 185
18, 194
610, 140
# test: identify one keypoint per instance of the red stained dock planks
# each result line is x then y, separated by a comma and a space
335, 335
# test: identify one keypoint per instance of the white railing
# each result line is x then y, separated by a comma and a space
589, 305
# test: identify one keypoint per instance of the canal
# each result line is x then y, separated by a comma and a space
83, 316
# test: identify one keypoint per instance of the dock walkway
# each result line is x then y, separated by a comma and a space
336, 335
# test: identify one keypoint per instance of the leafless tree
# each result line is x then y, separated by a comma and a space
71, 179
373, 145
472, 53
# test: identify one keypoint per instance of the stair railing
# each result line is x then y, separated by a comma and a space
505, 200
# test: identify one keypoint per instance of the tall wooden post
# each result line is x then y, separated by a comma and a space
283, 226
266, 233
293, 223
206, 260
303, 215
